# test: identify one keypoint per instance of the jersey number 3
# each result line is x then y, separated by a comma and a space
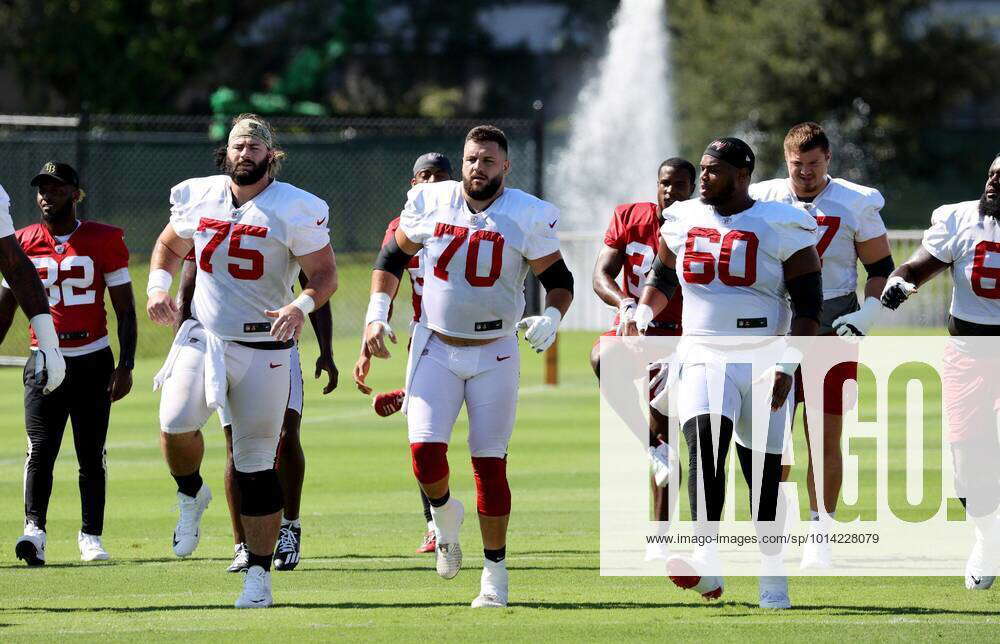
459, 236
707, 259
222, 229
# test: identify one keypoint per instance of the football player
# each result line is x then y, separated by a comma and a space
251, 235
479, 240
630, 244
736, 261
965, 239
428, 168
850, 230
291, 465
76, 260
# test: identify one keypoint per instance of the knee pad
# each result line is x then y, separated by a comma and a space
492, 490
430, 461
833, 388
260, 492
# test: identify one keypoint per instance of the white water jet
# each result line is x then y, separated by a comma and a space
622, 126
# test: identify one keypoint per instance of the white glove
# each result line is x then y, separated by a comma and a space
541, 329
642, 317
626, 309
859, 322
896, 291
50, 366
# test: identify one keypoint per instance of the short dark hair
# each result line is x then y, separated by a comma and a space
805, 137
485, 133
680, 164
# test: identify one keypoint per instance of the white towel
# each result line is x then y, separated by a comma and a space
181, 339
418, 341
216, 380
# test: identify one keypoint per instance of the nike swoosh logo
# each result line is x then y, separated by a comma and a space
553, 224
976, 580
273, 366
320, 222
499, 359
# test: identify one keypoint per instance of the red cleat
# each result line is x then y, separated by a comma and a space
684, 575
388, 403
429, 544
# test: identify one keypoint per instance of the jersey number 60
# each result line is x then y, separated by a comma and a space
707, 259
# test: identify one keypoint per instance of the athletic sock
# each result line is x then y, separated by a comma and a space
189, 484
437, 503
430, 526
264, 561
292, 523
496, 556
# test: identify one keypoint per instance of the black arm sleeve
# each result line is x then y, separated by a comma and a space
557, 276
662, 278
806, 292
881, 268
392, 259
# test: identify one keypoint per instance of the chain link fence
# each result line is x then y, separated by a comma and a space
360, 166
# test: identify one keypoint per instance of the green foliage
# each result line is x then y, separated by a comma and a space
874, 72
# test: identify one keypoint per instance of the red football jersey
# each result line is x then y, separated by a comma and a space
635, 230
74, 274
416, 273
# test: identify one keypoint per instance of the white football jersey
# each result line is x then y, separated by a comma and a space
245, 256
474, 264
845, 213
971, 244
6, 223
730, 268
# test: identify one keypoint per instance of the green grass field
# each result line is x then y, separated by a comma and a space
361, 522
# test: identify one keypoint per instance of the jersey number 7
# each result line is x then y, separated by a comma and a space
459, 236
222, 229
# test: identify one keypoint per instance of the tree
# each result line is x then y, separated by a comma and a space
873, 72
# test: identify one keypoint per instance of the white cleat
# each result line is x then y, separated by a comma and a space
91, 548
448, 521
30, 547
188, 530
657, 552
817, 554
774, 593
492, 586
256, 589
977, 567
241, 558
684, 573
662, 458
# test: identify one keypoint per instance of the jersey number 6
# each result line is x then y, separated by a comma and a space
222, 229
459, 235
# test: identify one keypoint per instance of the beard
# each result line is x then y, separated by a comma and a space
485, 192
62, 214
244, 176
989, 208
721, 197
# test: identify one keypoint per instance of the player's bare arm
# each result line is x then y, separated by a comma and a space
320, 268
609, 264
123, 302
8, 307
168, 253
803, 279
389, 266
910, 275
661, 280
185, 291
20, 273
322, 323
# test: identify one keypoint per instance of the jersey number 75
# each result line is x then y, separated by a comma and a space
222, 230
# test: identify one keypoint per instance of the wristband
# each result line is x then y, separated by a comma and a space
378, 308
45, 331
304, 303
159, 280
789, 361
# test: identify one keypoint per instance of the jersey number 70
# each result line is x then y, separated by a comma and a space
459, 236
222, 229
